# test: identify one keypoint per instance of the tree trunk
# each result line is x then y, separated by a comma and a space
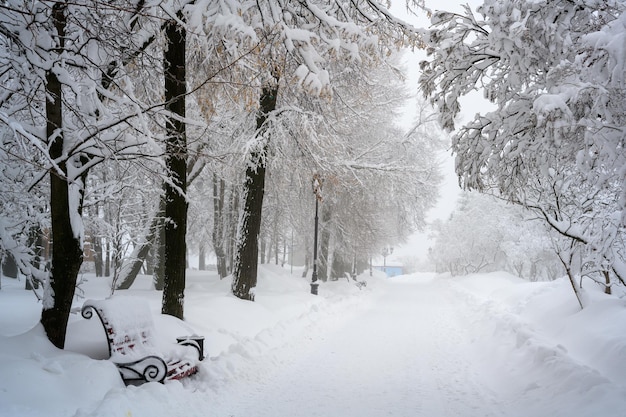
283, 259
67, 254
107, 258
276, 244
307, 258
140, 253
263, 248
324, 245
159, 268
246, 258
97, 257
176, 163
201, 257
219, 226
231, 240
36, 235
607, 280
567, 259
9, 266
151, 258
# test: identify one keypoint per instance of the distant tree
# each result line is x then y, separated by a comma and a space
485, 234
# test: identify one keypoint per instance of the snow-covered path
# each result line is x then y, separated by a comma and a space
406, 354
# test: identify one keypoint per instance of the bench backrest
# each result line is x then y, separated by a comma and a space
127, 323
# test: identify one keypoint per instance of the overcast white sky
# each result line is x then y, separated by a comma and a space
418, 244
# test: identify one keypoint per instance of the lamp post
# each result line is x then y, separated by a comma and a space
317, 190
387, 250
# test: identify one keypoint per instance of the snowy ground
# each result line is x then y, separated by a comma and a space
419, 345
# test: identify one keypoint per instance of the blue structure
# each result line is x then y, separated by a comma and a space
390, 271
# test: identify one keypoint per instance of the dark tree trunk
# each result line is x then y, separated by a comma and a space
176, 163
67, 254
201, 258
131, 269
247, 253
159, 267
284, 257
107, 259
231, 240
97, 257
262, 249
218, 235
276, 252
340, 267
151, 258
566, 260
324, 245
607, 280
36, 236
9, 266
96, 241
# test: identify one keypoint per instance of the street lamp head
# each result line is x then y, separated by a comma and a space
387, 250
317, 186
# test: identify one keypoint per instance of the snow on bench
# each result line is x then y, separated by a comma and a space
359, 284
133, 344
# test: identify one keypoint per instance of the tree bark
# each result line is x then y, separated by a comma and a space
151, 260
263, 248
246, 258
9, 266
107, 259
231, 224
607, 280
201, 257
36, 236
276, 251
218, 235
97, 257
307, 258
67, 254
284, 254
324, 245
176, 163
131, 269
159, 266
567, 261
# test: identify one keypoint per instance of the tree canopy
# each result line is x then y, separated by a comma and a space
554, 143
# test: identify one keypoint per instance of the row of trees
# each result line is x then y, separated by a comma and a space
119, 120
555, 141
485, 234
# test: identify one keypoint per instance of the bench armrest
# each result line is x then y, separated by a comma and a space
197, 342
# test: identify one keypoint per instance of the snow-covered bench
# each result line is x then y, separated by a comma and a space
135, 346
359, 284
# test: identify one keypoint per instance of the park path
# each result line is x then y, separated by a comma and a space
407, 353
